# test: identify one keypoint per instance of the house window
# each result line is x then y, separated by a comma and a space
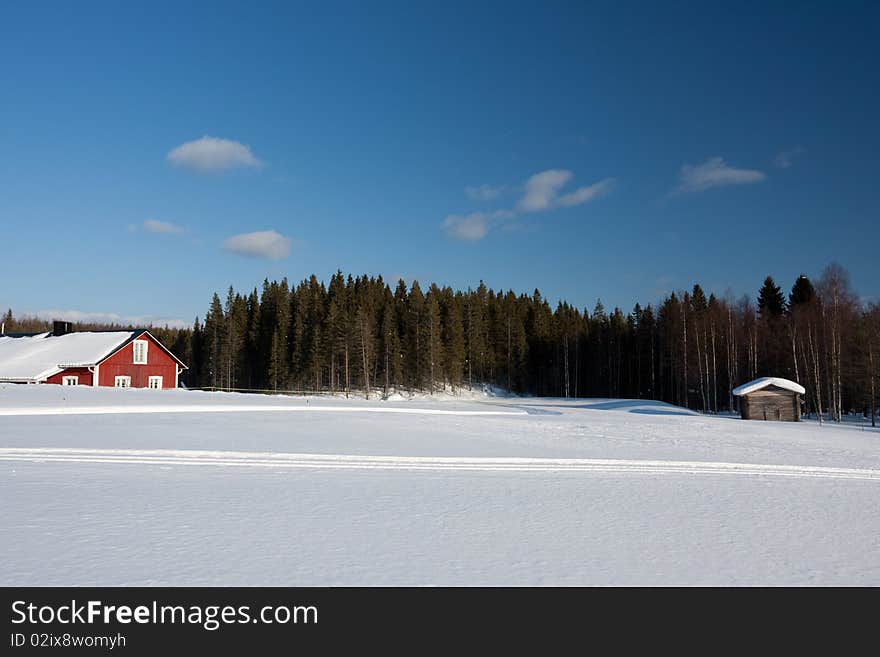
140, 352
70, 380
122, 382
155, 382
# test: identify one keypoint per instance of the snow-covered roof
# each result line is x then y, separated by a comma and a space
35, 357
766, 381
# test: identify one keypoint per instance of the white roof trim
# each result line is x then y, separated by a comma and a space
766, 381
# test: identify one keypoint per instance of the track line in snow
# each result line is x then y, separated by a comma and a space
237, 408
163, 457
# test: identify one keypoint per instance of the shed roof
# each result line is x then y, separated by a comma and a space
35, 357
766, 381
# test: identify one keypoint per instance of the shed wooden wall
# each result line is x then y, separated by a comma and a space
771, 403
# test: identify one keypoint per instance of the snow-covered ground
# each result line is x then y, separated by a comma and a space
132, 487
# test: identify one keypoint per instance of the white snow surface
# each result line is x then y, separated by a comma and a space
766, 381
38, 356
437, 490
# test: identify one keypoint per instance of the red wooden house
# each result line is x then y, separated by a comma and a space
124, 359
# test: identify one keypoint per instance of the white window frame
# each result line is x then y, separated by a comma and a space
157, 379
143, 344
70, 380
122, 382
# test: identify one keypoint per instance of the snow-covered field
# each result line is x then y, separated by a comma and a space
141, 487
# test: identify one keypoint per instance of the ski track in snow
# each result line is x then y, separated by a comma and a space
168, 457
237, 408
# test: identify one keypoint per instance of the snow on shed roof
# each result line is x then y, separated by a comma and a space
766, 381
35, 357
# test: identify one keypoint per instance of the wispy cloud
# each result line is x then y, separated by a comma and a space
110, 318
542, 188
267, 244
541, 192
474, 226
483, 192
586, 194
162, 227
212, 155
784, 159
468, 228
714, 172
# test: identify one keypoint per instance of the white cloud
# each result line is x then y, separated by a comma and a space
714, 172
585, 194
212, 154
110, 318
483, 192
267, 244
542, 188
469, 228
784, 159
541, 193
474, 226
162, 227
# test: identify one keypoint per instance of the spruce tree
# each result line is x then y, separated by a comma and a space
276, 360
299, 335
771, 302
390, 342
194, 376
802, 292
432, 337
251, 372
336, 331
414, 345
508, 348
314, 337
698, 299
453, 336
364, 330
213, 343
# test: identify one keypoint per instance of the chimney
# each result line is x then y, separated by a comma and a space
61, 328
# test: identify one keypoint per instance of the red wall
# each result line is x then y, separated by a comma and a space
85, 377
159, 363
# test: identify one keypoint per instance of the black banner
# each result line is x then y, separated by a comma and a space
150, 620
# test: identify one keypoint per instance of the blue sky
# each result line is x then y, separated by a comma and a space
613, 150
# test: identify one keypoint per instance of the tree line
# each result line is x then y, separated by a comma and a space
358, 334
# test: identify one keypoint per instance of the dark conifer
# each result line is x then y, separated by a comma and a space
771, 302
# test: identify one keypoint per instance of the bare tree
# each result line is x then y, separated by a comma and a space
838, 307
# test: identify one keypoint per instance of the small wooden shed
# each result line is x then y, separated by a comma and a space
770, 398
